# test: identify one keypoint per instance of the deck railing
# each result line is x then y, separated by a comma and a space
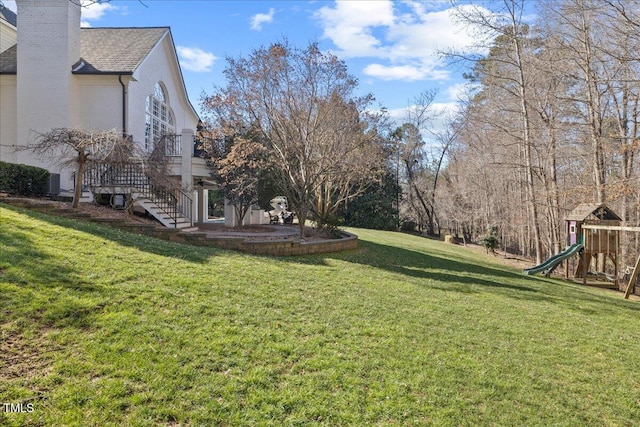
172, 145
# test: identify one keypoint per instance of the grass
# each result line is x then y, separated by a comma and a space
105, 328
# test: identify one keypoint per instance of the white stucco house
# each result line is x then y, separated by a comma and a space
55, 74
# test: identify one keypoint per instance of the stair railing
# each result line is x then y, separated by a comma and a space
133, 176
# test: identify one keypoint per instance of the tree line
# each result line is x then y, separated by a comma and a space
552, 122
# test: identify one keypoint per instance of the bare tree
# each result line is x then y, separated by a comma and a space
238, 174
567, 84
421, 161
505, 70
445, 138
621, 22
76, 148
324, 143
413, 159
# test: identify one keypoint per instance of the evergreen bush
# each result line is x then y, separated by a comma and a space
23, 180
490, 239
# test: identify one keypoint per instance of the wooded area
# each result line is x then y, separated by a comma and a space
552, 122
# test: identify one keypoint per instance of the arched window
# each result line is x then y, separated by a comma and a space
159, 119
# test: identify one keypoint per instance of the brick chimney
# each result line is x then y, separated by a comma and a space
48, 47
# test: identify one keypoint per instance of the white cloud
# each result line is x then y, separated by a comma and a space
442, 112
404, 38
445, 109
262, 18
405, 72
424, 36
93, 11
195, 59
350, 25
397, 115
457, 91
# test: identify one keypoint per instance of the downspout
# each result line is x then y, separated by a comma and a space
124, 129
124, 106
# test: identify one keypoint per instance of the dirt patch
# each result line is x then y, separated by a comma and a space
98, 211
26, 361
18, 359
504, 257
312, 234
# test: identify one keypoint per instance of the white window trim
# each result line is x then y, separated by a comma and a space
157, 106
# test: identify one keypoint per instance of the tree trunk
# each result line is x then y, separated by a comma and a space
593, 110
77, 193
526, 140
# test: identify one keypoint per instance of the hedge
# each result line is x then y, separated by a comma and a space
23, 180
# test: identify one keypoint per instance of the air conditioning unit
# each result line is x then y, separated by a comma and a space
54, 184
118, 201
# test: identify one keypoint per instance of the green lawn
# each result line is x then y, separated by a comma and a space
104, 328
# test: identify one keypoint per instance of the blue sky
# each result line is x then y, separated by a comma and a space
390, 46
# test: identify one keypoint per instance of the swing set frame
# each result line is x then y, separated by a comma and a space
593, 233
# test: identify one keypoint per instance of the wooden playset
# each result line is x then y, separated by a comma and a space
593, 232
589, 224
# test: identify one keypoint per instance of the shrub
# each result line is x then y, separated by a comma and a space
408, 225
376, 208
23, 180
329, 225
490, 239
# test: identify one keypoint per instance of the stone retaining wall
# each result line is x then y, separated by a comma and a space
296, 247
284, 247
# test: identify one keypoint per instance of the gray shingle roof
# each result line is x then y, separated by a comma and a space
8, 61
597, 210
104, 50
8, 15
111, 50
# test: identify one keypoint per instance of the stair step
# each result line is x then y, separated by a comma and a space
147, 202
189, 229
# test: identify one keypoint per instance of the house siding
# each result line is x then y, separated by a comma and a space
101, 101
8, 131
8, 36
